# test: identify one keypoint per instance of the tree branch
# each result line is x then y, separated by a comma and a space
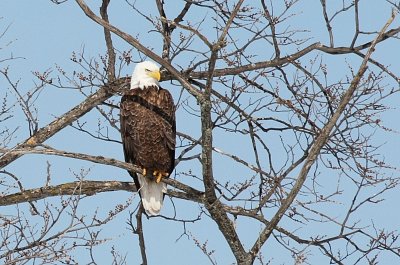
83, 187
109, 44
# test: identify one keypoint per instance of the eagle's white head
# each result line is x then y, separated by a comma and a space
145, 74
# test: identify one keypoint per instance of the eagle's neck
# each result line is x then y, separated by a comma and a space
143, 82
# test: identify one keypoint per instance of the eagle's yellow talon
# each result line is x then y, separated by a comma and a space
144, 173
161, 175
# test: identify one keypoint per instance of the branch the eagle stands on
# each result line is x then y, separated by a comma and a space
288, 102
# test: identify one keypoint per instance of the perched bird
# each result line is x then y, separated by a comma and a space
148, 131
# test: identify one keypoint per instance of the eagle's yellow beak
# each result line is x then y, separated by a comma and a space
155, 74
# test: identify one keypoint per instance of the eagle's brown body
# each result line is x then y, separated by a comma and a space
148, 131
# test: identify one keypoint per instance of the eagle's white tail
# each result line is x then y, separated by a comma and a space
152, 194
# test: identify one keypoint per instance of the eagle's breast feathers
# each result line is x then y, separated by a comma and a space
148, 128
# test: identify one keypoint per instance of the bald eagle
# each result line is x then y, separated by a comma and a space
148, 131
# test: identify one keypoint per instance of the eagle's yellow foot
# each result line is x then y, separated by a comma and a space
144, 172
159, 175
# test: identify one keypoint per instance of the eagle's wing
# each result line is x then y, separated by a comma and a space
170, 128
128, 134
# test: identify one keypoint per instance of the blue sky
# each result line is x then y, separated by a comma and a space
44, 35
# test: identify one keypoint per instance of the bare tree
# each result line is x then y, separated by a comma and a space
282, 148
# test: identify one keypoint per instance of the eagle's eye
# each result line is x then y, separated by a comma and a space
147, 70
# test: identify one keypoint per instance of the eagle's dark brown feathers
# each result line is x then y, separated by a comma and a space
148, 129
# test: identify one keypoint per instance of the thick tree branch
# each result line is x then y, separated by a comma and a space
73, 188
